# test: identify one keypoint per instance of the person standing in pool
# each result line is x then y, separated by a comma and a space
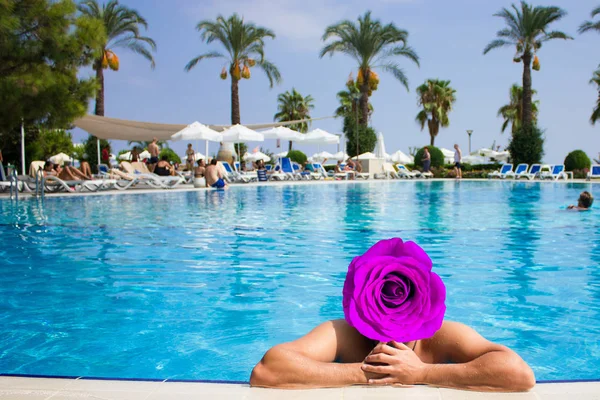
426, 159
214, 177
154, 151
584, 202
457, 162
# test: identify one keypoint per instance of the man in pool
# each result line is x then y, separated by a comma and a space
584, 202
214, 177
335, 354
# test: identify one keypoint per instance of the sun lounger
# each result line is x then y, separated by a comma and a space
148, 178
534, 172
594, 172
288, 168
556, 172
388, 172
320, 169
278, 174
234, 176
504, 170
54, 184
404, 172
520, 170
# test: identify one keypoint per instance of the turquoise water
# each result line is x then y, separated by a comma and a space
198, 285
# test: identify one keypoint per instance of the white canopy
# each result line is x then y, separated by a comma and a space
473, 160
402, 158
239, 133
367, 156
319, 136
197, 131
283, 133
60, 158
256, 156
322, 156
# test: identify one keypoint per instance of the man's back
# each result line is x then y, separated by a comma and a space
211, 174
153, 149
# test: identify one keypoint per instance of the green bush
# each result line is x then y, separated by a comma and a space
297, 156
171, 155
367, 138
527, 145
91, 150
437, 157
577, 159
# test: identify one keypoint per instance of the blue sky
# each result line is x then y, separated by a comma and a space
449, 37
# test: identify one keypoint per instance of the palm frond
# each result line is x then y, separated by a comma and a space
196, 60
494, 44
397, 72
271, 71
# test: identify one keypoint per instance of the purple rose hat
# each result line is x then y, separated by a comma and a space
390, 293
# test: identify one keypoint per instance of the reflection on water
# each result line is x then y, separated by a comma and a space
168, 285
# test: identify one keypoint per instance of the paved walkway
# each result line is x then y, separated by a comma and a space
17, 388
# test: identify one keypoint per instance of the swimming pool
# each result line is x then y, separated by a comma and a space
198, 285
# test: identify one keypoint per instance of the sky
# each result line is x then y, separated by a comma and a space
448, 36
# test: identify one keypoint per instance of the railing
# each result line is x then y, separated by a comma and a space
14, 185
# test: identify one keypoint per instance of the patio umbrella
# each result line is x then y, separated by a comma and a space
60, 158
448, 155
144, 155
380, 146
281, 155
322, 156
402, 158
240, 134
197, 131
319, 136
125, 156
340, 155
282, 133
256, 156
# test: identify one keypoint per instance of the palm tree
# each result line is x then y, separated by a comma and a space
596, 81
589, 25
293, 106
372, 45
513, 111
527, 29
122, 26
244, 44
436, 97
348, 106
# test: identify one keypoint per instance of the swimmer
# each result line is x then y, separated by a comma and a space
584, 202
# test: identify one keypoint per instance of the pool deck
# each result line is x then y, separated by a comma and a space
21, 388
190, 188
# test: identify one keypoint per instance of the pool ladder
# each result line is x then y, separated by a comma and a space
14, 186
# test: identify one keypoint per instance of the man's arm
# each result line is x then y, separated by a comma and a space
309, 361
477, 364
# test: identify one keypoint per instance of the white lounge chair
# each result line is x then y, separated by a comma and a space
55, 184
594, 172
404, 172
388, 171
505, 170
556, 172
138, 170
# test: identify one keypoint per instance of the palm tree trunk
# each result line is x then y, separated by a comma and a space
364, 100
527, 112
235, 101
100, 95
432, 131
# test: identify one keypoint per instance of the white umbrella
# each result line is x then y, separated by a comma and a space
144, 154
197, 131
380, 146
340, 155
367, 156
239, 133
256, 156
125, 156
448, 155
282, 133
473, 160
319, 136
402, 158
322, 156
60, 158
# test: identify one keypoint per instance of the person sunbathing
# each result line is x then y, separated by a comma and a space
69, 173
584, 202
49, 169
394, 332
85, 169
164, 168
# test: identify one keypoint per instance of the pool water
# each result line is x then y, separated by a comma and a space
198, 285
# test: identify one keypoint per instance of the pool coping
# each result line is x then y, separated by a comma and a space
29, 388
190, 188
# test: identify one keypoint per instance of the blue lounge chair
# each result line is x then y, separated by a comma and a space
556, 172
262, 175
288, 169
236, 165
534, 172
594, 172
269, 167
506, 169
520, 170
320, 169
234, 176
